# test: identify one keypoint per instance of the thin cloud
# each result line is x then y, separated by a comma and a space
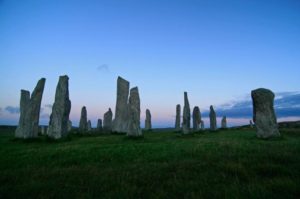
103, 68
12, 110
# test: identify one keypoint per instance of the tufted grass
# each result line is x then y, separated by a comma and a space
224, 164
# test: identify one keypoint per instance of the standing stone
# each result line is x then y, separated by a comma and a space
89, 126
99, 125
83, 120
251, 124
107, 121
43, 132
69, 125
263, 113
120, 123
177, 122
224, 122
196, 118
148, 125
24, 103
134, 111
202, 124
58, 125
186, 124
213, 119
30, 111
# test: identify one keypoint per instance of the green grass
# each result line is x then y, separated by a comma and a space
223, 164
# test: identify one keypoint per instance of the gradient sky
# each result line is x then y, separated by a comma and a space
216, 50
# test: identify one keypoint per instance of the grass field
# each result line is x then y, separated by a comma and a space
223, 164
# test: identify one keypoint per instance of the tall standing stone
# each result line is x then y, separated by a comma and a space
58, 125
202, 125
30, 111
148, 125
263, 113
24, 103
99, 125
134, 111
89, 126
224, 122
120, 123
177, 121
107, 121
213, 119
83, 120
186, 123
196, 118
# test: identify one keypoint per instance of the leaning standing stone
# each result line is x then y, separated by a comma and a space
186, 124
177, 122
107, 121
58, 125
213, 119
30, 111
134, 128
196, 118
83, 120
263, 113
148, 125
224, 122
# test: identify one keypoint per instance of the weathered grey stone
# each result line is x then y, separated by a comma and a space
251, 124
196, 118
89, 126
148, 125
134, 111
177, 122
30, 111
213, 119
224, 122
43, 130
186, 123
99, 125
107, 121
83, 120
120, 123
69, 125
24, 103
202, 125
263, 113
58, 125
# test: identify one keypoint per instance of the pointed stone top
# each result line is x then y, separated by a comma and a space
83, 107
109, 109
211, 107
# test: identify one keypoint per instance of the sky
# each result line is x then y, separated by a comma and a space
217, 51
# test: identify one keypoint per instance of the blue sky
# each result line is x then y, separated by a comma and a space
217, 51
